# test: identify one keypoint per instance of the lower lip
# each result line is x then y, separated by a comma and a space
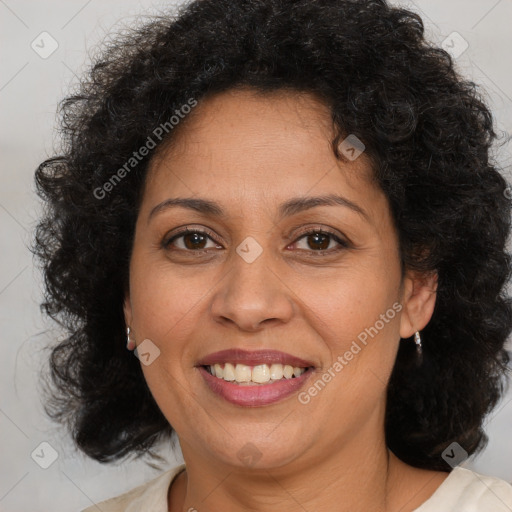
257, 395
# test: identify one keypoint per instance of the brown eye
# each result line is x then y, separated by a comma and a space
318, 241
190, 240
194, 240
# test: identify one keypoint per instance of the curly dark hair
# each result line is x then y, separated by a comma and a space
428, 135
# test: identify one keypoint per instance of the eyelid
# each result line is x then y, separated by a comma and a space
320, 229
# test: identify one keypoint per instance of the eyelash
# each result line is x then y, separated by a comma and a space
343, 244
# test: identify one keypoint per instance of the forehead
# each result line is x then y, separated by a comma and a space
259, 147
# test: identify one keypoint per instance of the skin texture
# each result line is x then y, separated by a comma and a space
250, 153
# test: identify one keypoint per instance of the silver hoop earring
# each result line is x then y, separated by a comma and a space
419, 348
130, 344
417, 340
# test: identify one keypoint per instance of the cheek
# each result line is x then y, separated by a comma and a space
350, 301
360, 349
164, 304
357, 315
166, 312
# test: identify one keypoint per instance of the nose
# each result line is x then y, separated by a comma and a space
252, 294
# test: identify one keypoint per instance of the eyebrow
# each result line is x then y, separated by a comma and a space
288, 208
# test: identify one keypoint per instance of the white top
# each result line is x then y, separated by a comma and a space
462, 491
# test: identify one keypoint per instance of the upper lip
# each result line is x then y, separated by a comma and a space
253, 358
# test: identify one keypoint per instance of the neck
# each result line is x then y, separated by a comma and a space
358, 476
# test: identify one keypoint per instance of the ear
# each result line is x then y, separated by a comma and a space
418, 301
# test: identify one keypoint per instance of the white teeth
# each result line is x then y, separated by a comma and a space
229, 372
297, 371
259, 374
242, 373
218, 372
276, 371
288, 371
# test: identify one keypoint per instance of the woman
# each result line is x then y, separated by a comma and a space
288, 210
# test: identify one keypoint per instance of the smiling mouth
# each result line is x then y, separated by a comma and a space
246, 375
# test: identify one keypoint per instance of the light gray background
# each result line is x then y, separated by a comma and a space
30, 88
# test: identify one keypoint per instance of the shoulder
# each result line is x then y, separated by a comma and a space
151, 495
470, 491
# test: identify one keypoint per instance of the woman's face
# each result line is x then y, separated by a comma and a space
247, 277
